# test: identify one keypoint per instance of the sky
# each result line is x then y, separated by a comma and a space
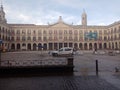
99, 12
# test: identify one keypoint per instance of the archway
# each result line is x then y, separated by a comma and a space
109, 45
75, 45
81, 46
90, 46
65, 45
18, 46
55, 46
70, 44
105, 45
45, 46
100, 45
50, 46
29, 46
85, 46
13, 46
116, 46
39, 46
23, 46
34, 46
95, 45
60, 45
112, 45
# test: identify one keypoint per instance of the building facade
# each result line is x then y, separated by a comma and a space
57, 35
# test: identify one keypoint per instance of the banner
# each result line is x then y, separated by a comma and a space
91, 35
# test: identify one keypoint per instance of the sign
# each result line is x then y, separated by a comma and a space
1, 41
91, 35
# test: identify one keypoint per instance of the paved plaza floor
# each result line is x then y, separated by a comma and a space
83, 78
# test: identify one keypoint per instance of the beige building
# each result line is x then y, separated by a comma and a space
57, 35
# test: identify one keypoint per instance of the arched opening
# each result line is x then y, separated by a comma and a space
112, 45
13, 46
75, 45
95, 45
100, 45
60, 45
109, 46
39, 46
85, 46
116, 46
29, 46
23, 46
50, 46
34, 47
55, 46
81, 46
45, 46
18, 46
65, 45
70, 44
90, 46
105, 45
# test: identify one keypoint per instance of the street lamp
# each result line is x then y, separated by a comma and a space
0, 50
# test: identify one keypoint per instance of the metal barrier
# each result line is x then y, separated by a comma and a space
46, 62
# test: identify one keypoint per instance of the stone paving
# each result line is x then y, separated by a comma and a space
84, 77
56, 83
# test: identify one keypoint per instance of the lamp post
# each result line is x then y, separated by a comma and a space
0, 50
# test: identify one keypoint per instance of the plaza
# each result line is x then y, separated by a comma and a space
84, 74
27, 44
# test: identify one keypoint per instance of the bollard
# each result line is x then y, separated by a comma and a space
97, 67
0, 57
116, 69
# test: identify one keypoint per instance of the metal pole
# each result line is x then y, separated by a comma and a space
0, 57
0, 50
97, 67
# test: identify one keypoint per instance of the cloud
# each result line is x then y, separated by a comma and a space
73, 3
23, 17
42, 12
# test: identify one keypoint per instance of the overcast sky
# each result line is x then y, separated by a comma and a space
99, 12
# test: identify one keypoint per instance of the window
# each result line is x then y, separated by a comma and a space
44, 32
18, 32
76, 38
70, 32
55, 31
12, 32
115, 30
23, 38
65, 38
70, 38
12, 38
55, 38
39, 38
23, 32
29, 32
34, 32
45, 38
75, 32
39, 32
68, 49
18, 38
29, 38
65, 32
50, 38
34, 38
60, 32
50, 31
